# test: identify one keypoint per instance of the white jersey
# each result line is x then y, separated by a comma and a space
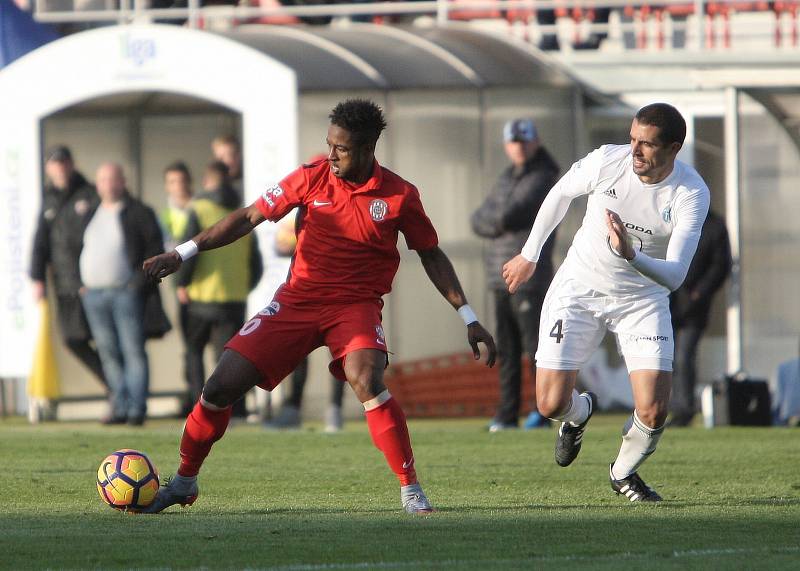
663, 220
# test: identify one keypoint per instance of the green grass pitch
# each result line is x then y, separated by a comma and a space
309, 501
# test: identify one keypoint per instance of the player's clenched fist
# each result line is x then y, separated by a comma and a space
618, 235
517, 271
159, 267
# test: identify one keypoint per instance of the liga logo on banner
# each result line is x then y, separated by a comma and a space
138, 50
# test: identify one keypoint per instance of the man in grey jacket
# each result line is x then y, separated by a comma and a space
505, 218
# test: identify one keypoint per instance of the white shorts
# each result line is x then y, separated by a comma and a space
575, 319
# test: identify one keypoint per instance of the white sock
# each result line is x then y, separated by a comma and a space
638, 442
578, 410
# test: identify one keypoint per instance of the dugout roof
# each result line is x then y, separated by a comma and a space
784, 104
369, 56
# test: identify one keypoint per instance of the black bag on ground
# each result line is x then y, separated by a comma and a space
737, 401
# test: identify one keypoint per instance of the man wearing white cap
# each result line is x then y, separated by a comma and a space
505, 218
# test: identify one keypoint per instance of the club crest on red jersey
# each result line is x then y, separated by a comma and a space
378, 209
272, 309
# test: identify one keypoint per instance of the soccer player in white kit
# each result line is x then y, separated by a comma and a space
643, 220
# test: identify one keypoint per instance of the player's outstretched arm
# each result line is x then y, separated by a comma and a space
238, 223
440, 271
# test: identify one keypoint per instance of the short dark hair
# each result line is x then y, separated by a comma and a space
227, 140
218, 167
58, 153
179, 166
671, 124
363, 118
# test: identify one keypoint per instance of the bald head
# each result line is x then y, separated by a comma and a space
110, 182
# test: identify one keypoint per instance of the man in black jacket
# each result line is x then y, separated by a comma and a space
690, 306
57, 243
122, 307
505, 218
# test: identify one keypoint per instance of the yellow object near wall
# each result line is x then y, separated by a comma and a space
43, 382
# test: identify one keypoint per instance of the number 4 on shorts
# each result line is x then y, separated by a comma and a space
556, 330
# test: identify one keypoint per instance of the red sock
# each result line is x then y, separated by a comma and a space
387, 425
203, 428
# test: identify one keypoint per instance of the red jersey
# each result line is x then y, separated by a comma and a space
347, 234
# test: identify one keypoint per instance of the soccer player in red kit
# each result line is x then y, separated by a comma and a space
351, 210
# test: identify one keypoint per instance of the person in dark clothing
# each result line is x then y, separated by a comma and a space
290, 414
214, 285
549, 40
57, 243
505, 218
690, 306
228, 150
122, 307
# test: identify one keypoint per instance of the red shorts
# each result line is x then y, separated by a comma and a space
280, 336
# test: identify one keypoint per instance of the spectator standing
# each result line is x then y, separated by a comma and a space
549, 40
174, 221
228, 151
505, 218
214, 285
57, 243
175, 217
122, 308
690, 306
786, 394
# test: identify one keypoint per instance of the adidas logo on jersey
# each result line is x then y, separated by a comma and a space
611, 192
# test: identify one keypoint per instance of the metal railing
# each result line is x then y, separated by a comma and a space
632, 17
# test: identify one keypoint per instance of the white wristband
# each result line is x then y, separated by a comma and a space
186, 250
466, 313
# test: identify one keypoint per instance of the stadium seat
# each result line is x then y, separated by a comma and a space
786, 9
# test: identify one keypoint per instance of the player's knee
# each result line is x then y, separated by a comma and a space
231, 379
364, 373
553, 405
653, 415
216, 393
367, 384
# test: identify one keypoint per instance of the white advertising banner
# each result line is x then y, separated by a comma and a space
149, 58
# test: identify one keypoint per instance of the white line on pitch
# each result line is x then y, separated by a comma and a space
543, 559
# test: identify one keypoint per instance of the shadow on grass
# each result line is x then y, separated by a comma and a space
213, 538
609, 504
734, 503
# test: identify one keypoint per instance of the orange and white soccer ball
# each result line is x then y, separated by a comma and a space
127, 480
